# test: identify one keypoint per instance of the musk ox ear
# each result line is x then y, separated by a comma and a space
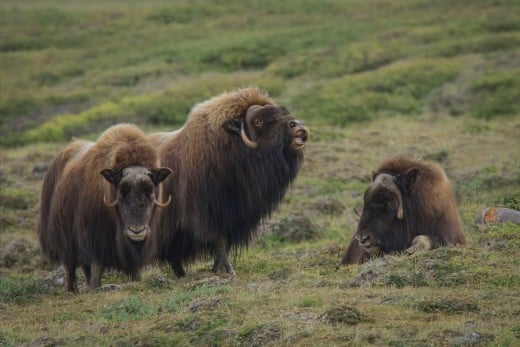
232, 125
285, 110
160, 174
112, 175
411, 176
251, 120
251, 111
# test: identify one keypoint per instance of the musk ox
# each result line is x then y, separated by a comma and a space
409, 206
96, 205
234, 159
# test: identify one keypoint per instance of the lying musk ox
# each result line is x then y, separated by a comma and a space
97, 201
409, 207
234, 159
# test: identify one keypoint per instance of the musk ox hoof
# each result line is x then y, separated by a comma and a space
223, 267
109, 288
178, 270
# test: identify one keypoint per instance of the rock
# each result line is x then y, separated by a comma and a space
497, 215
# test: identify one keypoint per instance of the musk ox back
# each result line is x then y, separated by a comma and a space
97, 202
409, 206
235, 157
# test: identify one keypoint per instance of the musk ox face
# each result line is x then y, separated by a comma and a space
135, 194
380, 228
270, 126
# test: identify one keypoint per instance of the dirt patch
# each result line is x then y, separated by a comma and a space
22, 254
447, 306
426, 269
293, 228
344, 315
456, 338
206, 304
158, 282
44, 341
371, 272
214, 281
264, 335
328, 206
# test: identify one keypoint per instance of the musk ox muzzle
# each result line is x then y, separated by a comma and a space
298, 131
137, 233
300, 134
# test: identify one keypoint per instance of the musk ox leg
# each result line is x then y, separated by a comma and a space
222, 265
419, 244
95, 278
178, 268
70, 278
88, 272
135, 275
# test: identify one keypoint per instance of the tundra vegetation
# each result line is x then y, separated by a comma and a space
372, 79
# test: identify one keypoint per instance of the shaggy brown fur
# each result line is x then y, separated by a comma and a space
51, 177
223, 189
75, 227
429, 210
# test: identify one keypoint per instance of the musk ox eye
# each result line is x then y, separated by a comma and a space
259, 123
293, 123
147, 190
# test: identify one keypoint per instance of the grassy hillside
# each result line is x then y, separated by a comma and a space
433, 79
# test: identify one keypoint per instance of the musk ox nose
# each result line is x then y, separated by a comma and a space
293, 123
363, 239
136, 229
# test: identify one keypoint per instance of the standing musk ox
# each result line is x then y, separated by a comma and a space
409, 206
97, 201
234, 159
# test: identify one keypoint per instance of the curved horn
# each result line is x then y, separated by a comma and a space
247, 141
389, 182
163, 204
394, 189
400, 211
108, 203
251, 111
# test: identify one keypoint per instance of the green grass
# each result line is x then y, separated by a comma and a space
71, 69
24, 290
372, 79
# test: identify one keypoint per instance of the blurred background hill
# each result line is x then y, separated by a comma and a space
70, 68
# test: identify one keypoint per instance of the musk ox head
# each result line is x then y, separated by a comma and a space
135, 191
270, 126
381, 228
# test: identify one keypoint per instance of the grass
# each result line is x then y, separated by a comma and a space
59, 83
372, 79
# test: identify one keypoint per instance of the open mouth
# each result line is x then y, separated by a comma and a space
300, 137
371, 248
